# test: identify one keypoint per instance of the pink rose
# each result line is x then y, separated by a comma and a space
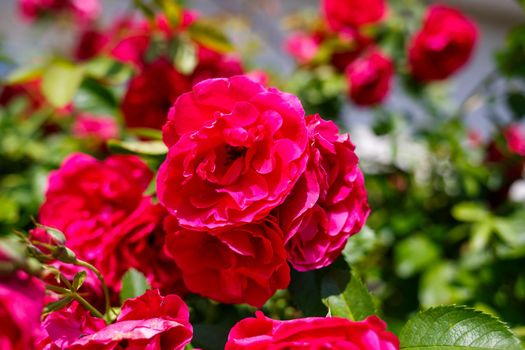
311, 333
341, 14
149, 321
246, 264
61, 328
83, 10
98, 128
236, 158
443, 45
303, 47
515, 137
369, 78
329, 202
21, 303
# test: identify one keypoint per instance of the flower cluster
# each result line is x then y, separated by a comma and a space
249, 184
82, 10
149, 47
444, 44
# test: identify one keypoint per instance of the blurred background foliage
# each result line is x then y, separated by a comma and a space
447, 192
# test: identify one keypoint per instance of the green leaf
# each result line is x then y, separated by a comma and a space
79, 279
147, 148
24, 74
469, 212
185, 59
60, 82
134, 284
306, 294
414, 254
456, 328
353, 302
59, 304
516, 102
207, 35
55, 234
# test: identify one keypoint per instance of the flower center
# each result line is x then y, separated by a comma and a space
234, 152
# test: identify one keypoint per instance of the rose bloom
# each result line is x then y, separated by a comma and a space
340, 14
95, 127
139, 242
236, 158
21, 303
303, 47
329, 202
515, 137
101, 209
151, 93
311, 333
369, 78
443, 45
246, 264
61, 328
149, 321
212, 64
83, 10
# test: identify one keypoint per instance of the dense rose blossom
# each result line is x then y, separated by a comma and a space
369, 78
149, 321
151, 93
443, 45
61, 328
95, 127
515, 137
101, 209
246, 264
340, 14
311, 333
21, 303
139, 243
83, 10
329, 202
236, 158
303, 47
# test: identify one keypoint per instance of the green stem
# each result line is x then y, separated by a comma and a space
107, 307
87, 305
58, 289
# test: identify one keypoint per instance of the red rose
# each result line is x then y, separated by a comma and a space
101, 209
311, 333
21, 303
369, 78
515, 137
150, 321
61, 328
340, 14
212, 64
83, 10
138, 243
246, 264
443, 45
329, 202
236, 158
151, 93
90, 43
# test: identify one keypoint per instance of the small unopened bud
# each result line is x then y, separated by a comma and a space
64, 254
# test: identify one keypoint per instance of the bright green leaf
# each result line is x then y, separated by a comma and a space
147, 148
79, 279
353, 302
469, 212
456, 328
134, 284
186, 57
60, 82
24, 74
207, 35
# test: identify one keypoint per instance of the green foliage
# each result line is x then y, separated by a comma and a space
456, 328
134, 284
60, 82
145, 148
